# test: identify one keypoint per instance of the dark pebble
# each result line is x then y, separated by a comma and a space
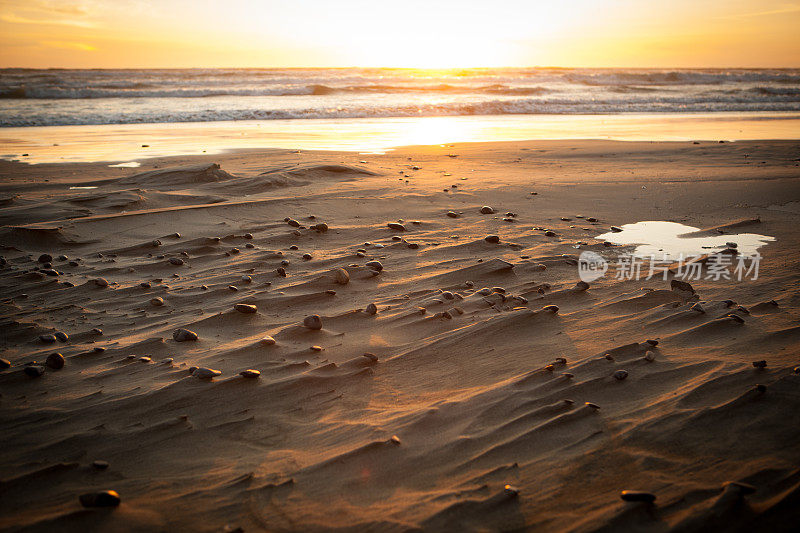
55, 360
33, 371
637, 496
105, 498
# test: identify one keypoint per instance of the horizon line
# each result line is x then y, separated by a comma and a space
542, 67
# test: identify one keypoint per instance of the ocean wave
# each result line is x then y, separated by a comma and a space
150, 90
557, 106
683, 77
191, 95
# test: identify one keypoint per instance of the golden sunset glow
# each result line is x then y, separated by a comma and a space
417, 34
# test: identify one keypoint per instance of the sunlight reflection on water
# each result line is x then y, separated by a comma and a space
668, 240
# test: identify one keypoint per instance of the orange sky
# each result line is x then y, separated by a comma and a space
409, 33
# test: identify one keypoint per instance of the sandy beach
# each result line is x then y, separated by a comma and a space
412, 375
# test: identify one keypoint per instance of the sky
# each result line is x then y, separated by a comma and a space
405, 33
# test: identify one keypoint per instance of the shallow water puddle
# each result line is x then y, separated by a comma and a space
129, 164
82, 187
663, 240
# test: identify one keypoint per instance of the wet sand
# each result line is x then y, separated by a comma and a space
445, 407
127, 143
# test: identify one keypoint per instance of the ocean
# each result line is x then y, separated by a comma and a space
57, 97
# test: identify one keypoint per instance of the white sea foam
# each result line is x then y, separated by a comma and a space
200, 95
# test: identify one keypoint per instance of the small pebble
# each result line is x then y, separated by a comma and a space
494, 239
157, 301
486, 210
681, 286
760, 364
313, 322
101, 282
375, 265
550, 308
182, 335
177, 261
250, 373
649, 356
33, 371
105, 498
100, 465
47, 339
4, 363
61, 336
395, 226
620, 374
317, 348
205, 373
267, 341
55, 361
341, 276
371, 309
246, 308
637, 496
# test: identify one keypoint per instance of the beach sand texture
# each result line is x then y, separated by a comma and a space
441, 406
